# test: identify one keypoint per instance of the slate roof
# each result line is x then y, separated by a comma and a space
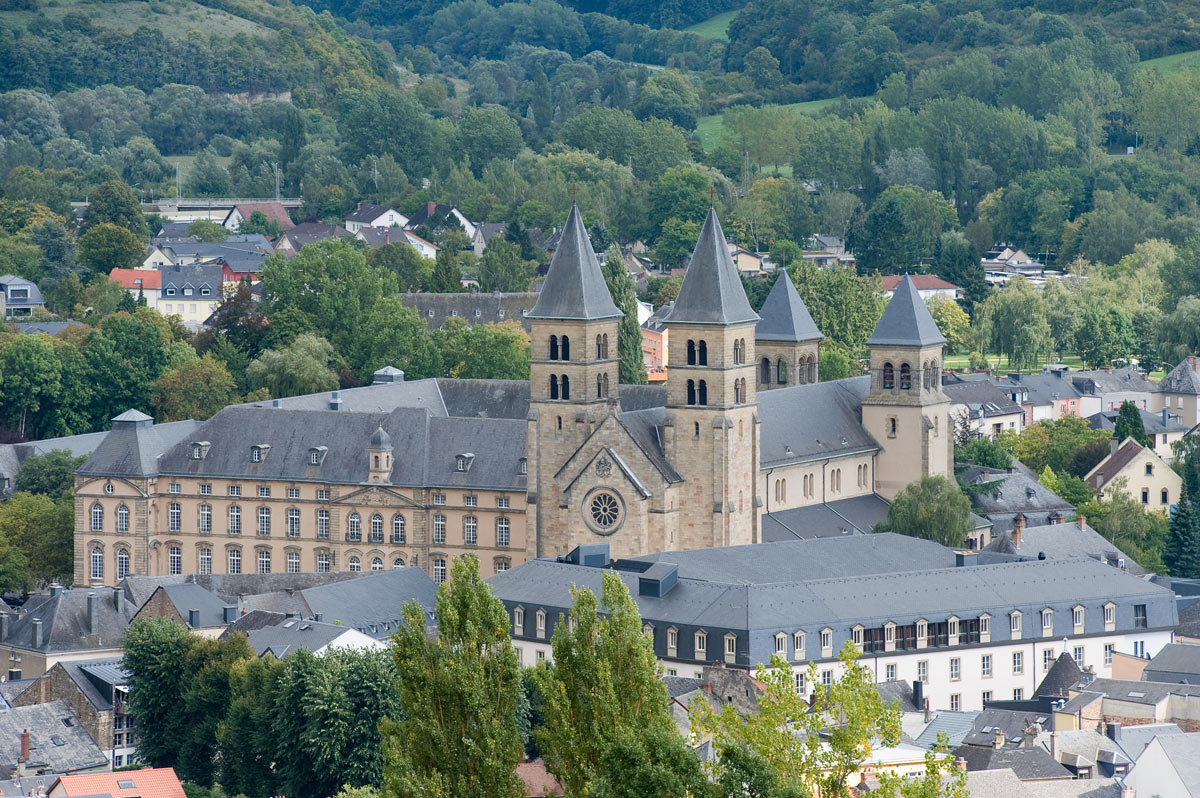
190, 596
1184, 378
1058, 541
574, 288
372, 603
1152, 422
1105, 381
955, 725
784, 316
813, 421
712, 291
473, 308
854, 516
366, 213
658, 318
1189, 621
293, 635
1062, 676
51, 328
274, 211
146, 783
58, 741
898, 693
133, 446
1183, 752
984, 399
906, 320
65, 622
1087, 748
1174, 662
195, 276
1134, 739
1136, 692
312, 232
1026, 763
8, 281
1015, 491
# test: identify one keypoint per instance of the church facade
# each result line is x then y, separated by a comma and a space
399, 473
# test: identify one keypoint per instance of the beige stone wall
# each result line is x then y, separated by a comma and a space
802, 361
1148, 488
56, 685
150, 536
815, 482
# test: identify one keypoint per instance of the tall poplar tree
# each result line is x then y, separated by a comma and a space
1182, 553
629, 332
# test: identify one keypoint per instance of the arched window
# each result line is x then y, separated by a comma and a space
354, 527
702, 393
354, 564
765, 376
376, 564
122, 518
691, 353
925, 374
703, 353
599, 348
554, 347
97, 563
892, 427
1165, 496
398, 562
889, 376
553, 386
97, 517
377, 528
691, 392
397, 528
781, 372
565, 348
599, 387
122, 563
605, 340
905, 377
737, 351
737, 392
565, 391
812, 368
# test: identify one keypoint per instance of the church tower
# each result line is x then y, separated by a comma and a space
712, 422
905, 409
786, 339
573, 374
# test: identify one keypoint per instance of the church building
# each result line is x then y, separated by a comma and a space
413, 473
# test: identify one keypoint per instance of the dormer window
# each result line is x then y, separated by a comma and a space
430, 313
205, 291
258, 453
200, 450
463, 462
188, 291
524, 466
316, 455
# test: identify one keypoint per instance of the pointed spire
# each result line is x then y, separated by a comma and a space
574, 288
712, 292
906, 320
784, 316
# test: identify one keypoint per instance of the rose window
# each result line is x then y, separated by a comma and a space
605, 510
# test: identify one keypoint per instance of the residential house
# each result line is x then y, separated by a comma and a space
157, 255
295, 634
1011, 261
484, 233
1005, 783
295, 239
1132, 703
191, 292
1028, 763
19, 297
1163, 428
1177, 663
274, 211
433, 214
140, 783
1179, 391
1014, 495
51, 328
929, 286
1141, 473
1062, 541
367, 215
747, 262
828, 252
140, 283
655, 337
1051, 396
47, 739
473, 308
983, 407
241, 256
1168, 767
920, 612
63, 626
97, 692
380, 236
201, 611
1114, 387
172, 230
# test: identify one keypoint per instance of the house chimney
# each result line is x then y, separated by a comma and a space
25, 746
119, 600
194, 618
230, 614
92, 619
1194, 362
430, 207
998, 739
1082, 519
1113, 730
1018, 529
319, 617
5, 621
1054, 745
960, 763
1113, 445
55, 589
335, 401
928, 712
37, 633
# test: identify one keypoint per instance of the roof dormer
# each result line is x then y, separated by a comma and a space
200, 449
463, 461
258, 452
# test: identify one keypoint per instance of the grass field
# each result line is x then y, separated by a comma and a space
999, 363
714, 27
709, 128
1189, 61
172, 17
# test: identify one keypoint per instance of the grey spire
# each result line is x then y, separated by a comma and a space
712, 292
574, 288
380, 440
784, 316
906, 320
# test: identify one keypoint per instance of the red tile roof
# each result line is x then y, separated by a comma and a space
923, 282
147, 783
272, 210
148, 279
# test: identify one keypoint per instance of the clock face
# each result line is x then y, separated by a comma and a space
603, 511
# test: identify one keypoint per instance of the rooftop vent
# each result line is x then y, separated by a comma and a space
592, 555
335, 401
658, 580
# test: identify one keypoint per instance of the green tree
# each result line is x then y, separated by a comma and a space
208, 178
447, 276
835, 362
116, 203
501, 268
817, 747
197, 389
902, 229
844, 306
1182, 554
629, 332
51, 474
483, 351
458, 733
956, 260
680, 193
29, 383
654, 764
934, 509
602, 684
487, 133
154, 653
953, 323
675, 242
300, 368
208, 230
106, 246
1014, 322
984, 452
1104, 335
762, 68
1068, 486
246, 733
1129, 425
41, 529
15, 576
412, 271
398, 338
941, 779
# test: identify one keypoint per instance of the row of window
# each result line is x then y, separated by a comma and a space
930, 375
806, 371
560, 347
187, 291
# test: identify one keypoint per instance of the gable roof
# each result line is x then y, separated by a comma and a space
784, 316
58, 741
1152, 423
132, 279
922, 282
1183, 752
1184, 378
712, 291
144, 783
1027, 763
1175, 662
312, 232
1108, 468
193, 275
367, 213
574, 288
473, 308
1058, 541
274, 211
64, 622
955, 725
856, 515
906, 320
294, 634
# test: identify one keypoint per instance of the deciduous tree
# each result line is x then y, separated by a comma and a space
934, 509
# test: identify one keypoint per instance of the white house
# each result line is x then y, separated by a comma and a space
367, 215
296, 633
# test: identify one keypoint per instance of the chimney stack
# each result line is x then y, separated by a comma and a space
1113, 445
960, 763
1113, 730
1166, 415
55, 589
194, 618
119, 600
230, 614
1054, 745
1082, 519
93, 621
5, 624
998, 739
25, 746
335, 401
1018, 529
37, 633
